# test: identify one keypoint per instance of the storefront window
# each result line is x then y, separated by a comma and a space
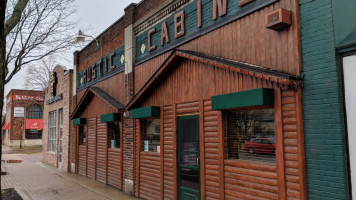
114, 134
250, 135
150, 135
52, 132
82, 135
32, 134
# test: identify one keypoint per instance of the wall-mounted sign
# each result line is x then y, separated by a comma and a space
53, 83
27, 98
103, 68
56, 98
19, 112
191, 21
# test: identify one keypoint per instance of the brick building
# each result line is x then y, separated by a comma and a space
194, 99
24, 109
57, 129
328, 38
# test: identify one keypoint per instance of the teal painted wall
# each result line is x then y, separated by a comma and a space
344, 16
325, 142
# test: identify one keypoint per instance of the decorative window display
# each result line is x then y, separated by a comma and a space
250, 135
114, 134
82, 135
150, 135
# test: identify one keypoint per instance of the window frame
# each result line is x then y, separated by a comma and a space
226, 145
109, 124
143, 125
52, 131
82, 140
36, 114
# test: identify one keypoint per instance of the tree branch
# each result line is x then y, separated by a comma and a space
15, 17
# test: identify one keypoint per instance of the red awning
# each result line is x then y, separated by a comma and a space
34, 124
6, 126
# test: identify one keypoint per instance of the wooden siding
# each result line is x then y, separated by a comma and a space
150, 175
114, 166
187, 90
210, 127
291, 142
168, 147
117, 92
144, 71
101, 151
91, 142
192, 81
82, 160
246, 40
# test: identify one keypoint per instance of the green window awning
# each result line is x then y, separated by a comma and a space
79, 121
111, 117
151, 111
255, 97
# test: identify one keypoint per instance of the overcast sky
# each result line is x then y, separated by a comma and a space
97, 14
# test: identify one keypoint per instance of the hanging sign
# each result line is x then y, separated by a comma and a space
53, 83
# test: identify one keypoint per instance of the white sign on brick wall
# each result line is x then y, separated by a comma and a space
19, 111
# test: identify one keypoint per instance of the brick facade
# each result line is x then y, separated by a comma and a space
323, 103
16, 134
64, 88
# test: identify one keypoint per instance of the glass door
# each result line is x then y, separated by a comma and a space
188, 158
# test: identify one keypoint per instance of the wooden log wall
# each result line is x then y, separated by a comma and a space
150, 175
82, 160
114, 168
168, 153
96, 159
211, 150
91, 143
101, 151
187, 90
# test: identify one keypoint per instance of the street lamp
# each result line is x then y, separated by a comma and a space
81, 39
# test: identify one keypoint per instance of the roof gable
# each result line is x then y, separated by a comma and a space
94, 91
244, 68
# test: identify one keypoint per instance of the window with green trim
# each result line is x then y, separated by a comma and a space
150, 130
250, 135
114, 130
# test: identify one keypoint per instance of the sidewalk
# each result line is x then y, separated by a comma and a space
34, 180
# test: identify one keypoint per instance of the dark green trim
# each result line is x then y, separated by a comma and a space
79, 121
255, 97
181, 189
111, 117
150, 111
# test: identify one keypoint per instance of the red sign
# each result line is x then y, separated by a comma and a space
6, 126
34, 124
27, 98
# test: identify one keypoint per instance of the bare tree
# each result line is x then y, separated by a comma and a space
37, 75
31, 30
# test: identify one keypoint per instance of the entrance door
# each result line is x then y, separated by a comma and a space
349, 64
188, 158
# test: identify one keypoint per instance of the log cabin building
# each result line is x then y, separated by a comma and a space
191, 99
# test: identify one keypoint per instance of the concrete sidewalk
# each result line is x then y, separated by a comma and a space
34, 180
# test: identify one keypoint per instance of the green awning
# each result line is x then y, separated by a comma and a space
79, 121
151, 111
111, 117
255, 97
